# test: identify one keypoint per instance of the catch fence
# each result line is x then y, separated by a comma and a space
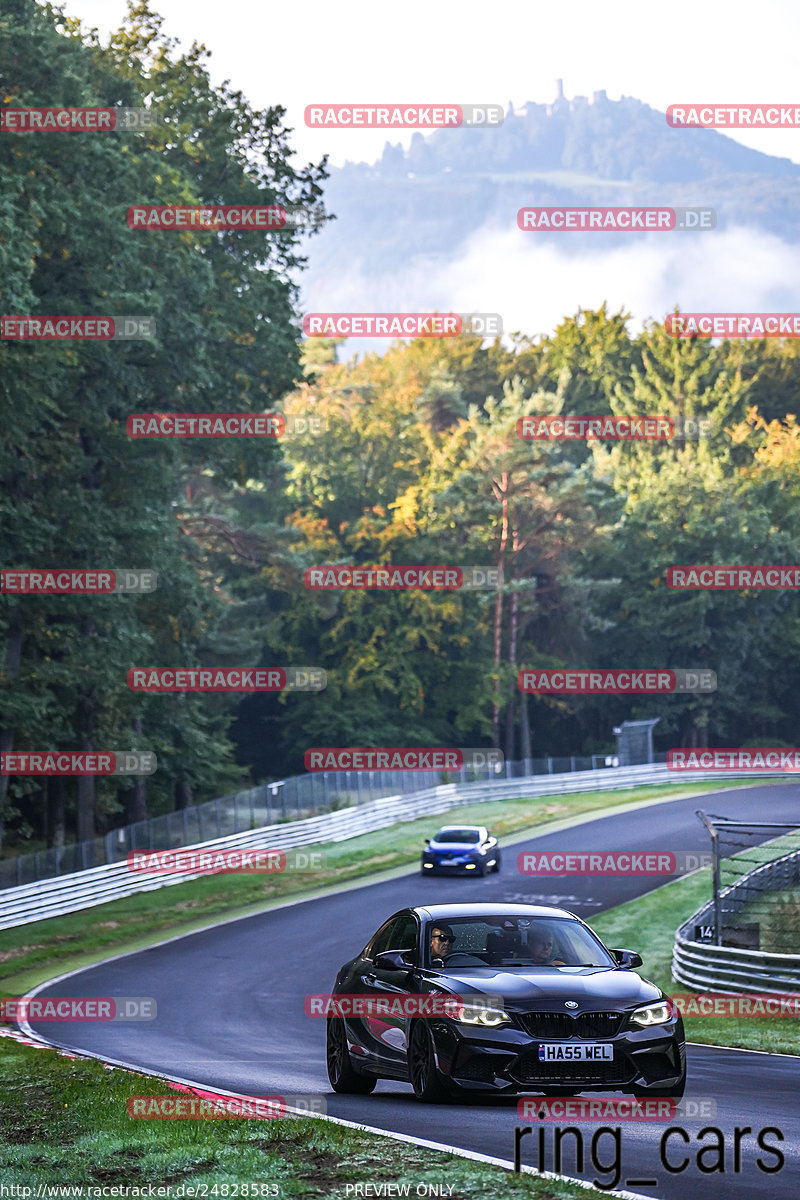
292, 799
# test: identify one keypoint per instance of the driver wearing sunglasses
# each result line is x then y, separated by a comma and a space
442, 939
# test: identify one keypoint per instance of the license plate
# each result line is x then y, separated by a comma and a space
585, 1052
447, 862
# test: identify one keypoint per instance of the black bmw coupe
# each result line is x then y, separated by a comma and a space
501, 999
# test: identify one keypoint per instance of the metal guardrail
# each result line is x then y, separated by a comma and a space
293, 798
85, 889
729, 969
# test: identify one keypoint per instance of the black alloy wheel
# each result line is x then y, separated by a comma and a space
340, 1070
422, 1066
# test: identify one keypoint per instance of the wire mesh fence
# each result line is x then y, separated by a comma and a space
289, 799
756, 885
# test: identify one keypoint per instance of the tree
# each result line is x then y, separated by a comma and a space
80, 492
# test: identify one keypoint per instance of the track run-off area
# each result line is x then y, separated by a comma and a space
230, 1016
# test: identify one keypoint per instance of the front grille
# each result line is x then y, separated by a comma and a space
528, 1070
556, 1025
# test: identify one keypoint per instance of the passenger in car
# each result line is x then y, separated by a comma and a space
541, 947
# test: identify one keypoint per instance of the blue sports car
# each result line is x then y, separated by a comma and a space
461, 850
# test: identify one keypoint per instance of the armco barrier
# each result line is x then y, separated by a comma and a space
729, 969
85, 889
292, 799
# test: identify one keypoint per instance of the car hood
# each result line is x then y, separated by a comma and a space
525, 988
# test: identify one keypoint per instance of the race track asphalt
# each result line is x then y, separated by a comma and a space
231, 1015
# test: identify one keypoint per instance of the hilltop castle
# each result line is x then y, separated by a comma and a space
560, 104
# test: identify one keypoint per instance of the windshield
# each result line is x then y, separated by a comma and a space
514, 941
458, 835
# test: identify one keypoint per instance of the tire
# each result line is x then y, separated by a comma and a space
340, 1069
496, 867
422, 1071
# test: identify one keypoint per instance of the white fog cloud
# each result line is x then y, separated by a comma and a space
535, 284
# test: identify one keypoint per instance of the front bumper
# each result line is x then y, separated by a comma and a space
506, 1059
458, 866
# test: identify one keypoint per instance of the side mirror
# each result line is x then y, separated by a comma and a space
627, 958
394, 960
427, 841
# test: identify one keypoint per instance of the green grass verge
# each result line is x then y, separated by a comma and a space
648, 926
65, 1121
778, 915
30, 954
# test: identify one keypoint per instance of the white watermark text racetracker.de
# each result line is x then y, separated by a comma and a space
33, 581
403, 116
737, 759
78, 762
615, 219
206, 1106
401, 324
400, 758
402, 578
211, 861
227, 679
616, 680
612, 862
79, 119
78, 1008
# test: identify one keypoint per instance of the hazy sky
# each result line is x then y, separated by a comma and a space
472, 52
515, 50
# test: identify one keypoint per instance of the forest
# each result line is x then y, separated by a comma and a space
411, 456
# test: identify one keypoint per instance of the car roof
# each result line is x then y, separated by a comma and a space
440, 912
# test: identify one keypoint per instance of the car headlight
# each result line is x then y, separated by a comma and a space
478, 1014
653, 1014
